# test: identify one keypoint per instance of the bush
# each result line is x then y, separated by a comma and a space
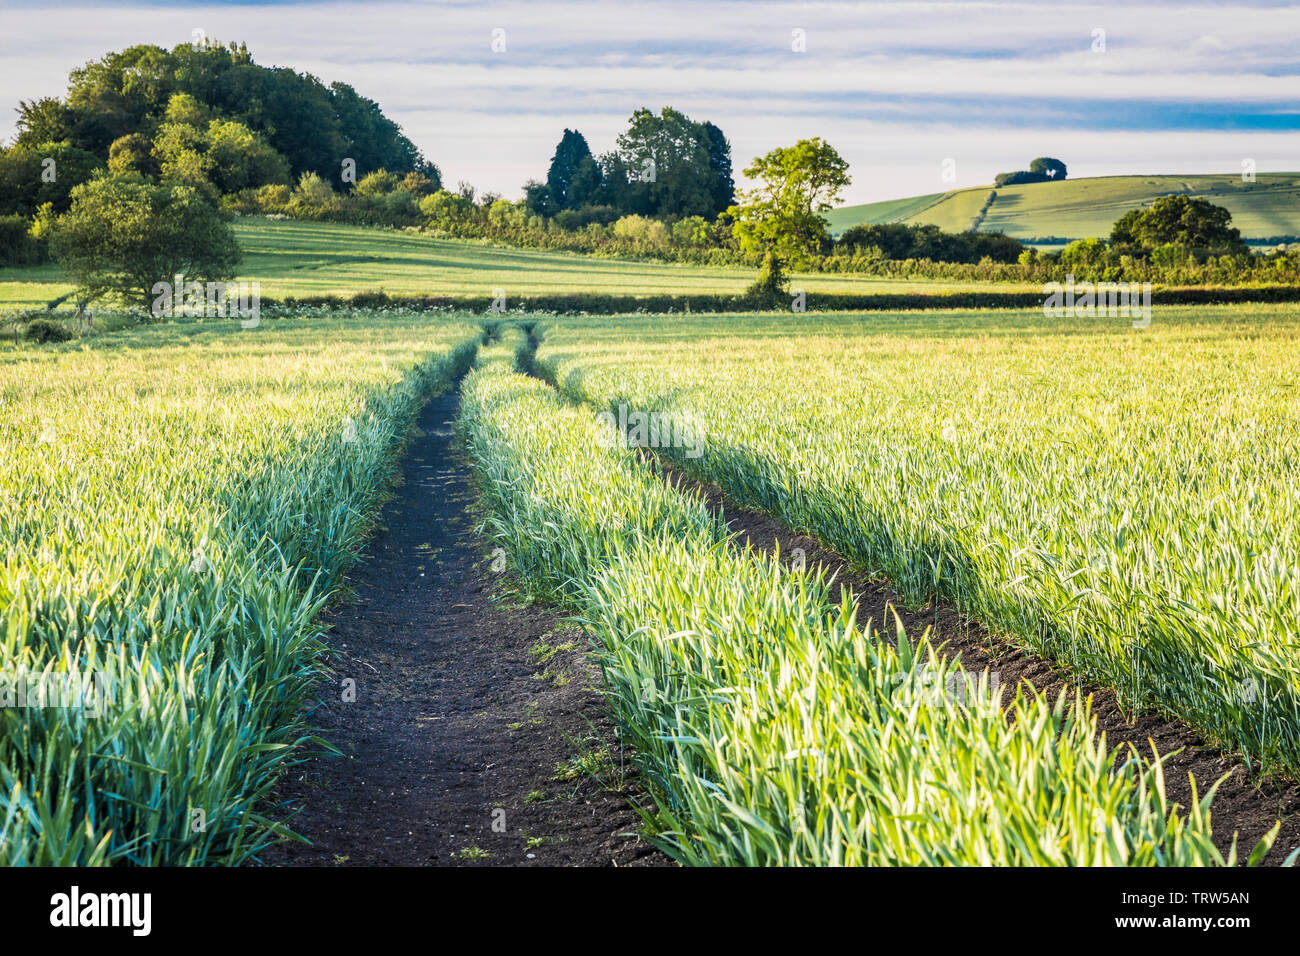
274, 197
48, 330
769, 289
573, 220
379, 183
314, 198
641, 229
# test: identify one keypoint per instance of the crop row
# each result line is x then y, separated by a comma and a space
769, 725
1122, 501
178, 504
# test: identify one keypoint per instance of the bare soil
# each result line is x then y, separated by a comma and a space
470, 706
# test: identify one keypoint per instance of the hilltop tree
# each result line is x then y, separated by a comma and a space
1048, 168
313, 126
781, 217
1044, 169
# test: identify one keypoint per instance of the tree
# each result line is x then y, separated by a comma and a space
537, 197
241, 158
1048, 168
1195, 224
781, 217
573, 178
722, 188
132, 153
31, 176
124, 234
668, 165
1044, 169
584, 188
45, 120
314, 127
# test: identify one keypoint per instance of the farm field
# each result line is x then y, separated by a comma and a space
290, 258
1096, 517
1121, 501
1079, 208
179, 502
772, 726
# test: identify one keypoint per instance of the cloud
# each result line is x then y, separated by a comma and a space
895, 86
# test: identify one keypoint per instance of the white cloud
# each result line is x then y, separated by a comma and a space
895, 86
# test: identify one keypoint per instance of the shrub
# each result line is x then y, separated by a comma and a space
48, 330
273, 197
313, 197
379, 183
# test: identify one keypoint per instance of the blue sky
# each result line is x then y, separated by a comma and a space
896, 87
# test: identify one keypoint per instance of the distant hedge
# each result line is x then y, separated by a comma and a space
593, 304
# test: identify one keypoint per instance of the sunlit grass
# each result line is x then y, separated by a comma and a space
1121, 500
771, 726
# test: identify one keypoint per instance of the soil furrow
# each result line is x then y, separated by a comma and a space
469, 708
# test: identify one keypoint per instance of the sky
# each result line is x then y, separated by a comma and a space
485, 89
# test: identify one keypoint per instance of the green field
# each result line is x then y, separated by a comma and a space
893, 210
1122, 501
771, 725
291, 258
178, 504
180, 499
1080, 486
1080, 208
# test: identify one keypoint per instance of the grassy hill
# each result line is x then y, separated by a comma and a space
1078, 208
291, 258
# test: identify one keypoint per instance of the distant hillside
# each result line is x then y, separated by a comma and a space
1079, 208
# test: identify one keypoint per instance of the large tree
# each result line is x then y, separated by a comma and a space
313, 126
574, 178
124, 234
668, 165
781, 216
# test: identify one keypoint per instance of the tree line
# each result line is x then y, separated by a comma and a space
663, 165
203, 115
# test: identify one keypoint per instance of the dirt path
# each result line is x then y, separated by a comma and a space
466, 703
1244, 804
